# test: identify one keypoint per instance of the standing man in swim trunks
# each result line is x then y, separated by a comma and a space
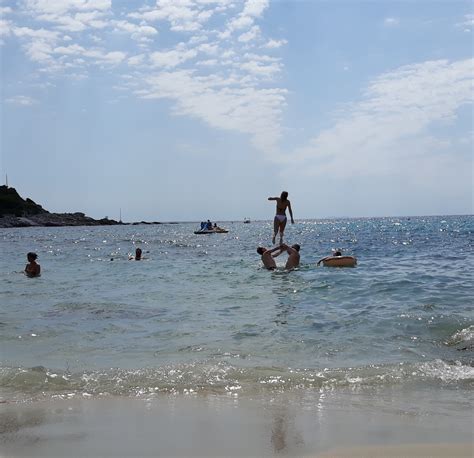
279, 223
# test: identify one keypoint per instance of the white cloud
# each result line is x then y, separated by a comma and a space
97, 55
274, 44
236, 96
38, 43
467, 23
182, 15
208, 48
264, 70
252, 34
136, 60
5, 28
390, 126
37, 34
208, 63
172, 58
137, 32
255, 8
222, 104
114, 57
69, 50
70, 15
391, 21
63, 6
21, 100
252, 10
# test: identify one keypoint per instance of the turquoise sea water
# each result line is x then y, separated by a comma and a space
199, 314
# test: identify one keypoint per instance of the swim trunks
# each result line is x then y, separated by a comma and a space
281, 218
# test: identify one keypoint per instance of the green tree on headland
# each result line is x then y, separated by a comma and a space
11, 203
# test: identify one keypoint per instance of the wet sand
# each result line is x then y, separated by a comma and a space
296, 424
405, 450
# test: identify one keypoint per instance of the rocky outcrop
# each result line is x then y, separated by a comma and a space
18, 212
11, 203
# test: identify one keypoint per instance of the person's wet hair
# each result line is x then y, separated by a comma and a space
260, 250
32, 256
296, 247
337, 253
284, 195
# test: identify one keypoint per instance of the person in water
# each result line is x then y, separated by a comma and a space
336, 253
279, 222
268, 256
138, 255
293, 256
32, 269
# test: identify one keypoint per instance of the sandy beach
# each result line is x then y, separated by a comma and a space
405, 450
282, 425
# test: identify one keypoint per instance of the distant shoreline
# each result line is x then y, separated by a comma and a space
64, 220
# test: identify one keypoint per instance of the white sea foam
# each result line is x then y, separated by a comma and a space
464, 336
447, 373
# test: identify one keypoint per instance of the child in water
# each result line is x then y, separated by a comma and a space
32, 269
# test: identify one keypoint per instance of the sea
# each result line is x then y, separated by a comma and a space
199, 315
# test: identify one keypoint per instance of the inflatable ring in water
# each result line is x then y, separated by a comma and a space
339, 261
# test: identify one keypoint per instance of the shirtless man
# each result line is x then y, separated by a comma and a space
32, 269
279, 222
267, 256
293, 256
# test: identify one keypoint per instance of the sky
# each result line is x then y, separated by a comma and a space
184, 110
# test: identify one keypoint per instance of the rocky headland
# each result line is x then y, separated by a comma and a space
18, 212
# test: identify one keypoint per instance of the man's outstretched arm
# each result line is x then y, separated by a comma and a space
276, 251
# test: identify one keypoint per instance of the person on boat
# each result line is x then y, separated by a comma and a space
268, 256
293, 256
203, 225
217, 228
209, 225
32, 269
279, 222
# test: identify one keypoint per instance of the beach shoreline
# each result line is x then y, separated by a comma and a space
284, 424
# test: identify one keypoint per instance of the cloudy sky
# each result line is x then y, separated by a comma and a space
196, 109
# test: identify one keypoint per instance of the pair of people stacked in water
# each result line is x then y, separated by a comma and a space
279, 224
269, 255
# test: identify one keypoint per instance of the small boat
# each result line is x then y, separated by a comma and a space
339, 261
212, 231
246, 220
